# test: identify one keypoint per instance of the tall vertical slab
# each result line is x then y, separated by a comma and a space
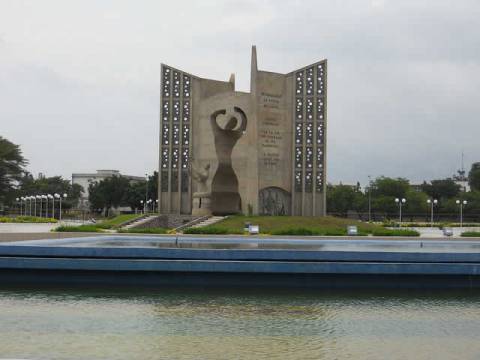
278, 160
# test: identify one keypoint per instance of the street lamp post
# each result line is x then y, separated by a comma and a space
369, 198
400, 202
39, 197
22, 200
53, 204
34, 205
146, 193
45, 197
461, 203
142, 204
18, 203
156, 202
56, 196
432, 203
59, 197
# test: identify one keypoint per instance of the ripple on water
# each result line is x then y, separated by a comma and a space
78, 324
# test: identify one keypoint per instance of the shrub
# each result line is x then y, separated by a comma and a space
310, 232
27, 219
80, 228
471, 234
395, 232
213, 230
156, 230
335, 232
295, 231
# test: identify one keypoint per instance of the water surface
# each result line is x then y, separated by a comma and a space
249, 324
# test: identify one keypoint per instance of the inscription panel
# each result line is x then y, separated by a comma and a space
274, 132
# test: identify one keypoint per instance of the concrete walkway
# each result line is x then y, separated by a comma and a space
435, 232
26, 228
33, 227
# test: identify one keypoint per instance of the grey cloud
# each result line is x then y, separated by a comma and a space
82, 88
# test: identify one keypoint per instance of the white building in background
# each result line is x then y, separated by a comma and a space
85, 179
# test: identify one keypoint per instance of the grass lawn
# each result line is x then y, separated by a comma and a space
269, 224
297, 225
112, 223
118, 220
27, 219
471, 234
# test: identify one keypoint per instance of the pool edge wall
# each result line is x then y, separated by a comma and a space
72, 278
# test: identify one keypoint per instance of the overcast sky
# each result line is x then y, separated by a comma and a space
79, 80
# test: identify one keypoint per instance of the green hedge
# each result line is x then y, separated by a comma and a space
80, 228
27, 219
471, 234
156, 230
213, 230
310, 232
395, 232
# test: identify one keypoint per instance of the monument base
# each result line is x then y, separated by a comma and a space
202, 204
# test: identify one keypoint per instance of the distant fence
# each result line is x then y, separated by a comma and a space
408, 217
67, 214
79, 214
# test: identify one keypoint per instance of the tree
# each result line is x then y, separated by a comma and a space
384, 204
385, 190
11, 168
153, 186
441, 189
28, 185
342, 198
135, 193
474, 176
108, 193
416, 202
385, 186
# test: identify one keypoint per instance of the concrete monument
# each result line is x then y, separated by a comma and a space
224, 151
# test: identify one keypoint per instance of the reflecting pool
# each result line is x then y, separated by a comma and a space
132, 323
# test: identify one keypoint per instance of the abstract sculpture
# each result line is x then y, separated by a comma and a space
225, 196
